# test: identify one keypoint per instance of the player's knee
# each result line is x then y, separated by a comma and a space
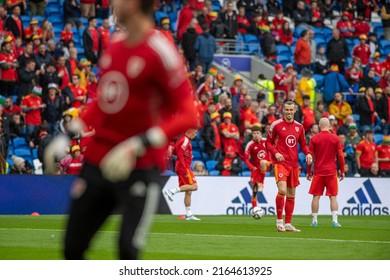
195, 187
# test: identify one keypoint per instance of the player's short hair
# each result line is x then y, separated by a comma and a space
256, 128
369, 132
289, 102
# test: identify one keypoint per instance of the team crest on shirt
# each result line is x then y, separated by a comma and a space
134, 67
296, 129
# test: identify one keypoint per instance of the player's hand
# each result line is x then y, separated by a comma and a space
279, 157
341, 176
120, 161
55, 151
309, 176
309, 159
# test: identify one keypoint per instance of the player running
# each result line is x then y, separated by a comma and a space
325, 147
144, 99
257, 160
282, 144
187, 181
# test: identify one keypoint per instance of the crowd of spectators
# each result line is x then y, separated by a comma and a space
48, 77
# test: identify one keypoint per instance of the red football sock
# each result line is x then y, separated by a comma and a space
279, 205
290, 203
254, 201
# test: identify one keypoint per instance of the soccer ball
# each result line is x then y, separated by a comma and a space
257, 213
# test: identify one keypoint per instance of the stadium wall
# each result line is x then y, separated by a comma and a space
21, 194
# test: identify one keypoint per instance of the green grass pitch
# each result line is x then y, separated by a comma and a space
215, 237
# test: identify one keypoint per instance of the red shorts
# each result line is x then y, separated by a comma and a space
319, 183
288, 174
257, 177
186, 178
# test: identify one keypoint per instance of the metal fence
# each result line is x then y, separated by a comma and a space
237, 47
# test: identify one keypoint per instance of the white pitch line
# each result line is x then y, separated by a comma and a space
223, 236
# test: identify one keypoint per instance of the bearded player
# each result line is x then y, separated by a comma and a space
257, 160
282, 143
143, 100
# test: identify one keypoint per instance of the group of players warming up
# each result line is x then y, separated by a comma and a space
143, 85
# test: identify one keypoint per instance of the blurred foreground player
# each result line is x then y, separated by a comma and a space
257, 160
325, 147
187, 181
143, 100
282, 144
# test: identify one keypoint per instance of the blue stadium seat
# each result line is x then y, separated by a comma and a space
297, 31
284, 60
244, 167
23, 153
253, 48
246, 173
19, 142
356, 118
195, 144
214, 173
25, 18
302, 160
158, 15
250, 38
283, 50
196, 155
210, 164
378, 138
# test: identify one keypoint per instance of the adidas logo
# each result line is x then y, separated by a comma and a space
242, 204
366, 202
283, 128
362, 198
247, 197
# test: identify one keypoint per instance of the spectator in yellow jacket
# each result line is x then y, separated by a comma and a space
339, 108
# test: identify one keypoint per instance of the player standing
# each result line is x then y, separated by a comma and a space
325, 147
257, 160
282, 144
187, 181
143, 100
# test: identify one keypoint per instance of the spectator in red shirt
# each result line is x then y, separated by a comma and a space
366, 154
104, 31
278, 21
66, 34
31, 106
377, 65
184, 18
229, 132
302, 54
166, 30
345, 26
237, 84
281, 81
73, 163
244, 25
362, 51
79, 93
32, 29
308, 113
8, 66
361, 26
316, 16
386, 63
92, 41
384, 82
10, 108
285, 36
384, 156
